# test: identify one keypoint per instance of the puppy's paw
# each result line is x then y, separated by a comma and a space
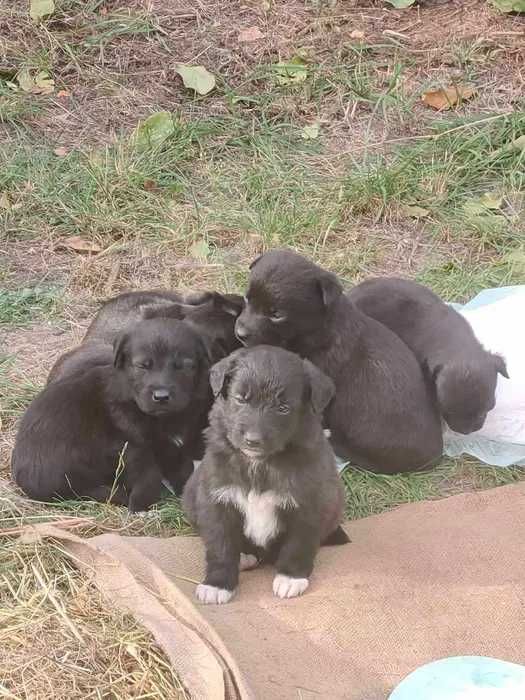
248, 561
287, 587
211, 595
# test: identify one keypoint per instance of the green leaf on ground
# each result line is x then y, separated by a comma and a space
509, 5
41, 8
478, 206
310, 131
516, 261
292, 71
401, 4
200, 250
153, 131
196, 78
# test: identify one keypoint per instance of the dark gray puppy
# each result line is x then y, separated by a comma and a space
464, 373
146, 410
124, 309
384, 416
210, 313
267, 488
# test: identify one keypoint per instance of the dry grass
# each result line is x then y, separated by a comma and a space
238, 175
60, 640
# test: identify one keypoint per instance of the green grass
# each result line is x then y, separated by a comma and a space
21, 306
370, 494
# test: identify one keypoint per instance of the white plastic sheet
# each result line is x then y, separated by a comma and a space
497, 317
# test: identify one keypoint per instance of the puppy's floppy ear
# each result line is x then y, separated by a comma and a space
232, 304
330, 288
221, 373
322, 388
499, 364
119, 350
254, 262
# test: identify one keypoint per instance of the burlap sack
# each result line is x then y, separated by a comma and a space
424, 581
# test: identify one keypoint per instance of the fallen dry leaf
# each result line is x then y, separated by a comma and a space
446, 98
150, 186
60, 151
357, 34
250, 34
63, 93
79, 245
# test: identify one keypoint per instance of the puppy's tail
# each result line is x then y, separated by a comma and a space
338, 536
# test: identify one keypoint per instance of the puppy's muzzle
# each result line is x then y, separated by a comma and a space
161, 396
242, 333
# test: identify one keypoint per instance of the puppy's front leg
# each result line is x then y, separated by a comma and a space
295, 561
221, 531
143, 478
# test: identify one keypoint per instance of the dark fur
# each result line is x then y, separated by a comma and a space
254, 445
209, 312
71, 435
384, 416
464, 373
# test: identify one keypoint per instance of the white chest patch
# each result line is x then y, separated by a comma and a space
260, 511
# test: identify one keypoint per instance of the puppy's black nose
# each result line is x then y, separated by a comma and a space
241, 332
252, 440
161, 395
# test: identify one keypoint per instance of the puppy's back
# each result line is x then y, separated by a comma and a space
121, 311
81, 359
66, 424
434, 331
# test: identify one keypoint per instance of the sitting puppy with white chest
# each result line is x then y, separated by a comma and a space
146, 411
464, 373
268, 488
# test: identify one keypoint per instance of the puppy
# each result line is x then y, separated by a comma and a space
464, 373
121, 311
143, 415
384, 416
267, 488
124, 309
210, 313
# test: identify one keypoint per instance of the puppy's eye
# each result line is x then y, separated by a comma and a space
276, 316
145, 364
240, 399
283, 408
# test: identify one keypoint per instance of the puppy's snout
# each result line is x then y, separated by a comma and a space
161, 395
241, 332
252, 439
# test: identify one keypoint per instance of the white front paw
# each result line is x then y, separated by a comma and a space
247, 561
211, 595
287, 587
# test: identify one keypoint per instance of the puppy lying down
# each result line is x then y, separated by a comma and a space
267, 489
208, 312
464, 373
144, 413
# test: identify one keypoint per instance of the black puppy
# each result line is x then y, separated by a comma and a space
268, 486
384, 416
210, 313
123, 310
464, 373
143, 414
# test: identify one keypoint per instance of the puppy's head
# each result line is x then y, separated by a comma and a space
163, 361
269, 398
288, 301
212, 313
466, 393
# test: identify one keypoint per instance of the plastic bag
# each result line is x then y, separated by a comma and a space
497, 317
